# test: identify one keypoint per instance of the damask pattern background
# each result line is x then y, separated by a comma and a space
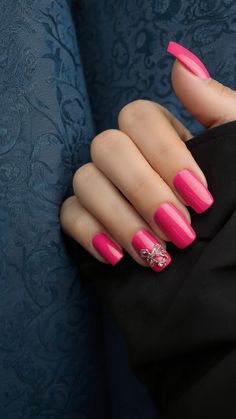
51, 362
123, 47
66, 69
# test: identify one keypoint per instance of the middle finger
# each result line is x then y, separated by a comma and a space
114, 153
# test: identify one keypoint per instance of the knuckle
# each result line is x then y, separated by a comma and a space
222, 90
105, 143
161, 109
134, 110
224, 93
67, 203
66, 210
82, 174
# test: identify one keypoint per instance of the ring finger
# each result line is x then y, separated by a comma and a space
116, 216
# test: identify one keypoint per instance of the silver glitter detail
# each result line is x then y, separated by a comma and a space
158, 255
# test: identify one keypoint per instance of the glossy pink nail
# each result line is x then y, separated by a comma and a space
151, 250
193, 191
107, 248
188, 59
175, 225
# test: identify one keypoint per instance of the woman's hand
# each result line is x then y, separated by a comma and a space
135, 192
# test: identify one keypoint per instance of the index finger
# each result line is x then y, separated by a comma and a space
156, 133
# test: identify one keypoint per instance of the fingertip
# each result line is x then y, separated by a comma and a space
190, 61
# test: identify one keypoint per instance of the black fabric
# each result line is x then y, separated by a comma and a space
180, 324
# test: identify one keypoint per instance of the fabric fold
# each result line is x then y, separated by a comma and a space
179, 324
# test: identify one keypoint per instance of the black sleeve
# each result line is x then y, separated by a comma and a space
180, 324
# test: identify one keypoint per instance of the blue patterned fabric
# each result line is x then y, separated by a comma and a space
66, 69
123, 46
51, 337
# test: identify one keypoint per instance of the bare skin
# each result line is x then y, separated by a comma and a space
132, 168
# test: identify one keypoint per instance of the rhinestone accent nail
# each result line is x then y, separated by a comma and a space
157, 256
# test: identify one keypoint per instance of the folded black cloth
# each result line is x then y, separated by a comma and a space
180, 324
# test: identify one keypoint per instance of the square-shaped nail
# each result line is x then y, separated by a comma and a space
193, 190
149, 249
175, 225
107, 248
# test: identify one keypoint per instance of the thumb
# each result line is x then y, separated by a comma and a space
209, 101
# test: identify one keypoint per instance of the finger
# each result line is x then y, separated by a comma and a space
118, 217
118, 158
209, 101
78, 223
151, 129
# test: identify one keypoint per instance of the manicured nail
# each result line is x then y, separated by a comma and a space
107, 248
188, 59
175, 225
193, 191
151, 250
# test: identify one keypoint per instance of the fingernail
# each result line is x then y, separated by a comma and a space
175, 225
151, 250
193, 191
188, 59
107, 248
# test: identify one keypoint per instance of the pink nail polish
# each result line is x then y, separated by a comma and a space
151, 250
175, 225
193, 191
188, 59
107, 248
